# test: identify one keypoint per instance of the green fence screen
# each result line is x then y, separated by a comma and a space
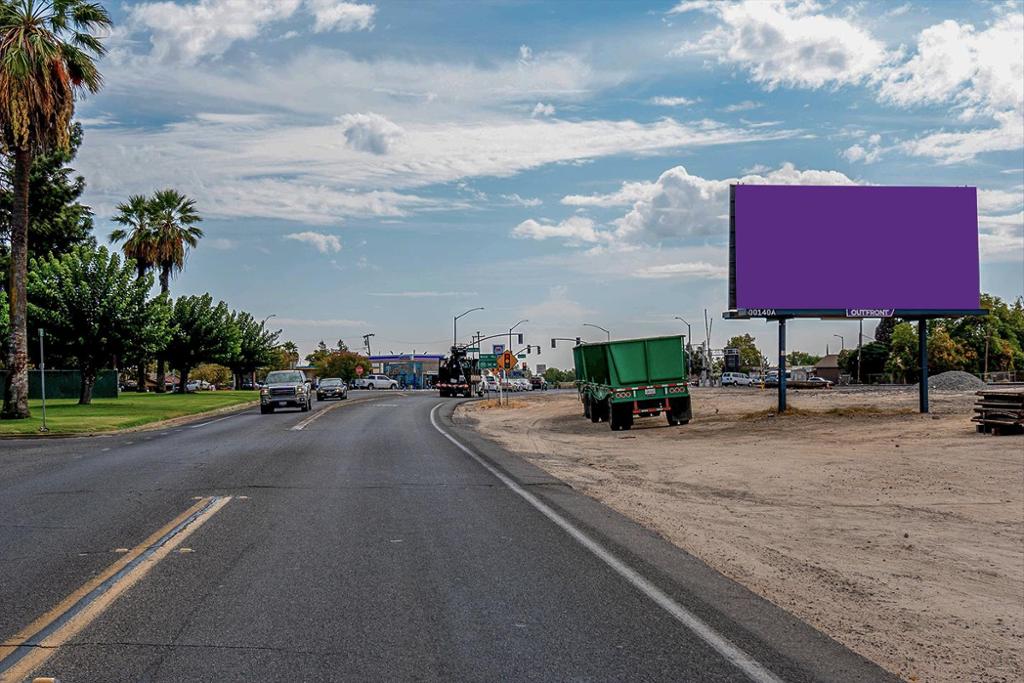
65, 384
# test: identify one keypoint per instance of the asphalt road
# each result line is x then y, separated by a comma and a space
365, 546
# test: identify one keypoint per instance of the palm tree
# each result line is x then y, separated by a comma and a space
137, 233
47, 50
173, 217
139, 245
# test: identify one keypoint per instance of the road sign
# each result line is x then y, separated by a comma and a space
488, 361
473, 349
498, 349
506, 361
521, 356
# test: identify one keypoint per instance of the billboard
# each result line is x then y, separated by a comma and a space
853, 251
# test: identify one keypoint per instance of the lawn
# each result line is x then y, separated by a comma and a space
65, 416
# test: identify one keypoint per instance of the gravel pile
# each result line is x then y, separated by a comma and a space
955, 380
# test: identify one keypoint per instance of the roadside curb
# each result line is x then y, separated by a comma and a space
149, 426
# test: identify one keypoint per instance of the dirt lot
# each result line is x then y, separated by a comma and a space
899, 534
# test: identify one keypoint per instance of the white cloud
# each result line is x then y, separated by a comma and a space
325, 244
522, 201
673, 101
745, 105
1000, 201
1001, 238
679, 204
626, 195
189, 32
542, 109
869, 152
332, 15
370, 132
573, 230
685, 270
787, 43
981, 71
310, 173
956, 146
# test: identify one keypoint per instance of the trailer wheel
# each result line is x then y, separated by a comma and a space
679, 412
587, 408
595, 411
620, 417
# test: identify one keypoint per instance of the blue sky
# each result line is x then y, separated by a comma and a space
382, 167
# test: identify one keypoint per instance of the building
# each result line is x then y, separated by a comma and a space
413, 370
828, 368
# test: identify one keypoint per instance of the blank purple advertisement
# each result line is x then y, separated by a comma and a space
854, 247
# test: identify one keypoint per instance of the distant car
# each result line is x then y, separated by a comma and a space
332, 387
539, 383
195, 385
375, 382
736, 379
819, 380
286, 388
525, 384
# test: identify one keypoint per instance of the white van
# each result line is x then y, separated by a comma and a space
736, 379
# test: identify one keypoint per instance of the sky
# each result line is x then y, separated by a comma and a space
380, 168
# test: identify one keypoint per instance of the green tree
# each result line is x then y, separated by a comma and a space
903, 362
201, 332
342, 364
92, 307
58, 221
750, 356
46, 59
997, 339
213, 373
291, 355
883, 331
256, 346
873, 357
946, 353
801, 358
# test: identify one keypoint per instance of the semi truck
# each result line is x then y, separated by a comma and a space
455, 374
621, 380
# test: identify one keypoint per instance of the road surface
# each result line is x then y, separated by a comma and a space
372, 539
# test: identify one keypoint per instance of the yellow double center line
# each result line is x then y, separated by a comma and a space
29, 648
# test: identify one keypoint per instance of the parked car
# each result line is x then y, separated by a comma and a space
375, 382
286, 388
331, 387
820, 380
736, 379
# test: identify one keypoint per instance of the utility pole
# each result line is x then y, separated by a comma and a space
860, 342
366, 343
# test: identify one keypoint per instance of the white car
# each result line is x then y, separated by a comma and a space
375, 382
524, 384
736, 379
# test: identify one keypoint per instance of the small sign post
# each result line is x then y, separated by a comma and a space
42, 378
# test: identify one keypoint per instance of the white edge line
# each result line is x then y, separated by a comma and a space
210, 422
737, 657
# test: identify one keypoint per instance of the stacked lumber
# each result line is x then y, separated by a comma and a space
999, 412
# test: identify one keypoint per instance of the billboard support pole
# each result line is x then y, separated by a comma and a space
782, 365
922, 352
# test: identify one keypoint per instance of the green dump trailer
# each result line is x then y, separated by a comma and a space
621, 380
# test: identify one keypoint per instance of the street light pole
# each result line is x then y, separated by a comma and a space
455, 324
860, 342
842, 342
600, 328
688, 343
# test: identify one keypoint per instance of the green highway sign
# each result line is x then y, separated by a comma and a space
488, 361
521, 356
473, 349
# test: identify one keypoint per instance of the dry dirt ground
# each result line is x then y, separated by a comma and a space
899, 534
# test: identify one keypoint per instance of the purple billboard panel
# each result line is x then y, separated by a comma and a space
853, 248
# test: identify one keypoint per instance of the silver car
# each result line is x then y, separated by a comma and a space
286, 389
